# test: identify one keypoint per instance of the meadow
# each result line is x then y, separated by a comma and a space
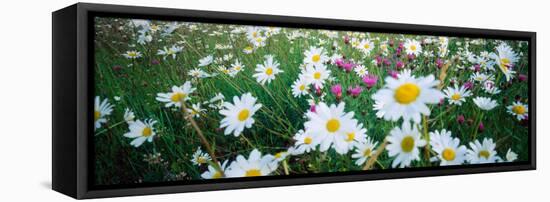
179, 101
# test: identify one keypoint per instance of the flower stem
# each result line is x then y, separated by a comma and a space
202, 138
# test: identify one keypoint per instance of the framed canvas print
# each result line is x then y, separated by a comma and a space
155, 100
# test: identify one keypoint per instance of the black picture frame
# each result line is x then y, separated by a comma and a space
72, 83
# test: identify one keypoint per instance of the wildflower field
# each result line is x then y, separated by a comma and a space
178, 101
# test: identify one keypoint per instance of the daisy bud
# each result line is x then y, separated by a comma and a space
337, 90
460, 119
155, 62
481, 127
339, 62
398, 53
346, 39
393, 74
410, 56
355, 91
391, 43
399, 64
477, 67
468, 85
312, 108
370, 80
378, 60
318, 90
439, 63
348, 66
117, 68
387, 62
522, 77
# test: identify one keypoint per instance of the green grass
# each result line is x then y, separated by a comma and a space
138, 81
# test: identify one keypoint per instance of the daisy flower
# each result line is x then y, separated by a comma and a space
132, 54
355, 134
248, 50
141, 131
482, 152
255, 165
200, 157
485, 103
129, 116
172, 51
479, 77
366, 46
300, 87
238, 114
448, 149
363, 151
195, 110
317, 75
519, 110
361, 71
101, 109
177, 96
407, 96
266, 72
280, 156
305, 142
505, 59
330, 125
213, 173
236, 68
457, 95
413, 47
197, 73
206, 61
403, 144
315, 56
511, 156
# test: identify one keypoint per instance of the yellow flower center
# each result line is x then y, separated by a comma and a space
302, 87
201, 160
317, 75
279, 155
132, 54
367, 152
248, 48
253, 173
237, 68
97, 115
254, 34
456, 97
518, 109
146, 132
217, 175
178, 97
407, 93
269, 71
350, 137
448, 154
504, 63
333, 125
259, 39
308, 140
316, 58
366, 46
407, 144
243, 115
413, 47
484, 153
